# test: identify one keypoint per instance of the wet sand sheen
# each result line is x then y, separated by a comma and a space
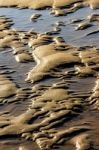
54, 112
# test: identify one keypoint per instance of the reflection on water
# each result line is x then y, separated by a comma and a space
21, 18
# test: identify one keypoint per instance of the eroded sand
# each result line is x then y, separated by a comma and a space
52, 3
58, 112
45, 3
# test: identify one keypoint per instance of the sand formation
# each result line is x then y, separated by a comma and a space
53, 106
45, 3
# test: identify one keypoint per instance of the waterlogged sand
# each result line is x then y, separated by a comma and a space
49, 84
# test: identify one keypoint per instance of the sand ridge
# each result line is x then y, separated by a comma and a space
35, 4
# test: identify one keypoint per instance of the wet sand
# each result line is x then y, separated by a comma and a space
49, 79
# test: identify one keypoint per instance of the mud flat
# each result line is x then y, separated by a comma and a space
49, 75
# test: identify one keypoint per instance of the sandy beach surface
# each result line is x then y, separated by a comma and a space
49, 75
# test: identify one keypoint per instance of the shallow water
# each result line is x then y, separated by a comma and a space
46, 21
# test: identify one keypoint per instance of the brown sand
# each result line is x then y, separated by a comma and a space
60, 111
45, 3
